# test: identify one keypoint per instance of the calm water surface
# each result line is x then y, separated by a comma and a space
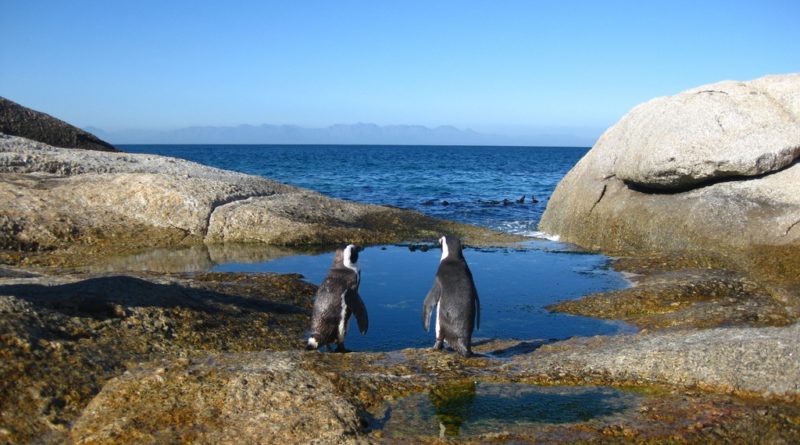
470, 409
514, 285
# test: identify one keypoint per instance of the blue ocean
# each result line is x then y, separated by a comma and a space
504, 188
465, 184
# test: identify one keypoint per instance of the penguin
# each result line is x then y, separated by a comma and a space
336, 300
458, 309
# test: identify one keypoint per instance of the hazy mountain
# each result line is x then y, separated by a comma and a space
360, 133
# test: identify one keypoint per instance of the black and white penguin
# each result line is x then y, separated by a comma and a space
458, 309
337, 298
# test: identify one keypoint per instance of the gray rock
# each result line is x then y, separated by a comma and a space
22, 121
607, 201
717, 131
762, 361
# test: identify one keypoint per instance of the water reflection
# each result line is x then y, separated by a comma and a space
469, 409
197, 258
452, 404
515, 285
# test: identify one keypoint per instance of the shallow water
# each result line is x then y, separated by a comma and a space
514, 285
467, 409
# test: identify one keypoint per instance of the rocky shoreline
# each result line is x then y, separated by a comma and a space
156, 356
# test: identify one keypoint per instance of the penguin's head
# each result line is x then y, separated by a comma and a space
350, 254
451, 247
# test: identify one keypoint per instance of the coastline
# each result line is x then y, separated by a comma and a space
126, 332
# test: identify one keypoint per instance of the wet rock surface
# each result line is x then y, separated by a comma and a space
186, 357
689, 299
63, 337
256, 398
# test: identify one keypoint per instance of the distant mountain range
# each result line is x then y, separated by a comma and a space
360, 133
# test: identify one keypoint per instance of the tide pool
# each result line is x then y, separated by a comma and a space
514, 285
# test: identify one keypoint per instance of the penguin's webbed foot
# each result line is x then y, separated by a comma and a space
462, 347
341, 349
438, 346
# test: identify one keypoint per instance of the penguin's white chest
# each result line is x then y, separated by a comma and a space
343, 320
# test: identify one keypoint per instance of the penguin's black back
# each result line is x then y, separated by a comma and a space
458, 301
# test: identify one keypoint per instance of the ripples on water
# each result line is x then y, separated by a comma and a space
465, 184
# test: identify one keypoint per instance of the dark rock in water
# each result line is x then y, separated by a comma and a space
521, 200
429, 202
17, 120
534, 200
445, 203
416, 247
506, 202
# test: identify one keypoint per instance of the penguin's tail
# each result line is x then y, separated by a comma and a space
313, 343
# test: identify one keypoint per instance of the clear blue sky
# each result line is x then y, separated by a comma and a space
480, 64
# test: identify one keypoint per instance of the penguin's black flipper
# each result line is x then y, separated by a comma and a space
430, 301
354, 302
477, 312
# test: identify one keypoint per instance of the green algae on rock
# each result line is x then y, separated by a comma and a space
64, 337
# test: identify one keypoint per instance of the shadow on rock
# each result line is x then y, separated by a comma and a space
108, 297
62, 342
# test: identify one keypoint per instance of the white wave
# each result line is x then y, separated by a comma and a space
542, 235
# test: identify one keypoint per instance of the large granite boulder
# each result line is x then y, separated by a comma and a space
711, 169
56, 196
22, 121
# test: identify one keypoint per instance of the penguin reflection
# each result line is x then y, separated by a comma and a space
336, 300
458, 309
452, 404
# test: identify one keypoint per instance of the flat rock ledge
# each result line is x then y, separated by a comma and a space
764, 362
59, 197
